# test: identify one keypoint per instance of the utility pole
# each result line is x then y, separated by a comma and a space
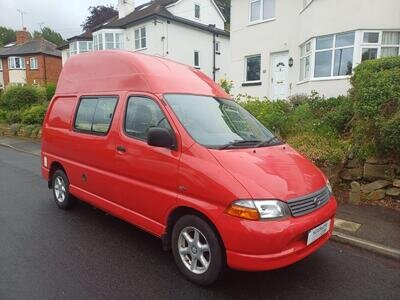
22, 13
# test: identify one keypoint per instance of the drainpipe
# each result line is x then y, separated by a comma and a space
214, 54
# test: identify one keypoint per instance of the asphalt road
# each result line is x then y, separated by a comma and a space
47, 253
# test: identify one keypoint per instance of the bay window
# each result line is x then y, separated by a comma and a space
334, 55
305, 59
377, 44
108, 40
253, 68
140, 38
81, 46
15, 62
261, 10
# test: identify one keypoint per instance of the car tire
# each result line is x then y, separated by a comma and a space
197, 250
60, 187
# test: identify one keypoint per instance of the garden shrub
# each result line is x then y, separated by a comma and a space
3, 116
35, 114
20, 97
50, 91
226, 84
272, 114
390, 135
13, 116
322, 150
376, 97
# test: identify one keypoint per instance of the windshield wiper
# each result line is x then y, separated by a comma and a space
239, 143
270, 142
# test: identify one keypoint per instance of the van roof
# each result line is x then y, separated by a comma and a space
116, 70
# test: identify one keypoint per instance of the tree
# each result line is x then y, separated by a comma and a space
7, 36
225, 7
48, 34
98, 15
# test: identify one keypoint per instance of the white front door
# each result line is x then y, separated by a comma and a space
279, 75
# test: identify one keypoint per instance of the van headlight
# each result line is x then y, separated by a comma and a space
328, 185
258, 209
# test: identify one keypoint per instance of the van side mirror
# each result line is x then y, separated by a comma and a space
160, 137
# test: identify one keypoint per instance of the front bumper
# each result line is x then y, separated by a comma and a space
266, 245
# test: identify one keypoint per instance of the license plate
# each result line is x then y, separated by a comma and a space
317, 232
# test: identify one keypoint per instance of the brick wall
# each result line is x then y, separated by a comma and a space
49, 68
6, 76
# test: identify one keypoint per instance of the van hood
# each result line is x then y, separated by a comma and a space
277, 172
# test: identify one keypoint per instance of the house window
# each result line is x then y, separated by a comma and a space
33, 63
334, 55
305, 60
16, 62
140, 38
197, 59
261, 10
218, 47
197, 11
85, 46
253, 68
1, 65
378, 44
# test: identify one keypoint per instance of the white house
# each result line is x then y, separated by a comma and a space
187, 31
287, 47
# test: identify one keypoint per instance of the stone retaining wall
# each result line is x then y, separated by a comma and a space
373, 180
28, 131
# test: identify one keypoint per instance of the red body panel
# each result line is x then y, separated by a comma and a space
145, 184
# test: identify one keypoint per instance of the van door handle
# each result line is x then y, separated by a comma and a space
121, 149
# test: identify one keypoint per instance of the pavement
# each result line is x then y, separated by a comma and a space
84, 253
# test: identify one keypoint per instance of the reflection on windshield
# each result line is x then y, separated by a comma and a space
218, 123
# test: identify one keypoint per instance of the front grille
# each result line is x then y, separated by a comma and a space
306, 204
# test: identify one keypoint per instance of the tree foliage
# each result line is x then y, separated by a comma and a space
7, 35
225, 7
50, 35
98, 15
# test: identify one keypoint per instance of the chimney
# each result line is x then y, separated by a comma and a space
23, 36
125, 7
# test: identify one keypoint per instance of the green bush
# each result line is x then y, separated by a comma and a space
226, 84
323, 151
390, 135
20, 97
50, 91
35, 114
3, 116
376, 97
13, 116
272, 114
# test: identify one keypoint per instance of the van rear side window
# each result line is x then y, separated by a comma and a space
95, 114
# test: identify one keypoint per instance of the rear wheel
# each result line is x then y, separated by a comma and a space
61, 194
197, 251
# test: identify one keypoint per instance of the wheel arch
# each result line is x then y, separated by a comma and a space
180, 211
55, 165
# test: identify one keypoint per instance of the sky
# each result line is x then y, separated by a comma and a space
63, 16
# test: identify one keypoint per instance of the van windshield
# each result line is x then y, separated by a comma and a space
218, 123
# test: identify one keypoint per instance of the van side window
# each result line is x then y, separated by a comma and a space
95, 114
142, 114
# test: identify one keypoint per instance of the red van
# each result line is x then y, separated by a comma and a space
161, 146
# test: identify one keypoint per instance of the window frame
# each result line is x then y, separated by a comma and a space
34, 58
1, 64
379, 45
260, 13
22, 66
218, 47
306, 55
245, 70
196, 4
140, 38
333, 49
198, 59
162, 111
91, 132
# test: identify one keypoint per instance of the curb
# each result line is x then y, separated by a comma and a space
18, 149
367, 245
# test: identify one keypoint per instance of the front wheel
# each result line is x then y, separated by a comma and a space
197, 250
